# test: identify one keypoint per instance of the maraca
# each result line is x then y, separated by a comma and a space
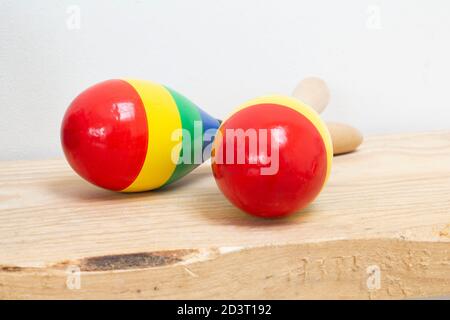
278, 182
134, 135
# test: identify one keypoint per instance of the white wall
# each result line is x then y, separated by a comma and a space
387, 62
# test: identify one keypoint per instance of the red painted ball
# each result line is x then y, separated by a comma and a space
272, 157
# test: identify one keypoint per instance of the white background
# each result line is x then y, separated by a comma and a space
387, 62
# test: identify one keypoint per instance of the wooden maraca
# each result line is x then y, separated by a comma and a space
299, 165
130, 135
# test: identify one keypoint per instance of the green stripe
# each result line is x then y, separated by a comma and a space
188, 114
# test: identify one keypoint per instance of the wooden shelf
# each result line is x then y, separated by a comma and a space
384, 213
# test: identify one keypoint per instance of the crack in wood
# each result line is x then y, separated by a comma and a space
130, 261
10, 269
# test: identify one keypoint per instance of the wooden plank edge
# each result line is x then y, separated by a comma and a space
342, 269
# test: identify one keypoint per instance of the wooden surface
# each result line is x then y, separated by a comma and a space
386, 206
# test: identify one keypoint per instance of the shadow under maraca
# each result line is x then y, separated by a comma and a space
186, 181
210, 207
221, 212
78, 189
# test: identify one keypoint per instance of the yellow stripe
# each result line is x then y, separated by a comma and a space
305, 110
162, 119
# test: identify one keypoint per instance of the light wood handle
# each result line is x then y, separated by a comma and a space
314, 92
345, 138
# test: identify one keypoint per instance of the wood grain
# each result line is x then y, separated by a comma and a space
386, 206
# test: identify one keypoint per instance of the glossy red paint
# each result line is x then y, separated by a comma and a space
302, 162
104, 134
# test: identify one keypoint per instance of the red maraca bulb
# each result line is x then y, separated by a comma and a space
272, 157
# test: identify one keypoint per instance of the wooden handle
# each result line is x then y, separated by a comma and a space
345, 138
314, 92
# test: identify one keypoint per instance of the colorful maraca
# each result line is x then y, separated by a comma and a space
134, 135
272, 156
